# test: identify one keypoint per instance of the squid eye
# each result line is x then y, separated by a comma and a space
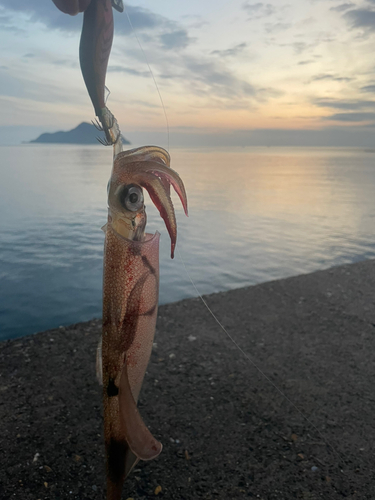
131, 198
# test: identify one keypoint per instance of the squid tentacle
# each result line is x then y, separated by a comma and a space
156, 177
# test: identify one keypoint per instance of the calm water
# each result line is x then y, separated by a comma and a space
255, 215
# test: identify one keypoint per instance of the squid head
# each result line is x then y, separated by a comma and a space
149, 168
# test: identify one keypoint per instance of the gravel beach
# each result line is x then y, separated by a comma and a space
227, 432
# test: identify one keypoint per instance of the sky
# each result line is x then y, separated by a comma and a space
230, 73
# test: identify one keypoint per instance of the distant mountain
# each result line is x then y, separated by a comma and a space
85, 133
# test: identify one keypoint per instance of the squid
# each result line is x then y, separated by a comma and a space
131, 256
130, 301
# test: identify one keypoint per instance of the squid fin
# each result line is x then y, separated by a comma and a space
140, 440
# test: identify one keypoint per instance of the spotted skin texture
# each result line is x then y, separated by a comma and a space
130, 299
131, 278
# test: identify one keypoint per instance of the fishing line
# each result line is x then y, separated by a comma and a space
338, 454
222, 327
151, 72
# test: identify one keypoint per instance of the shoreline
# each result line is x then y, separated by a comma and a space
227, 432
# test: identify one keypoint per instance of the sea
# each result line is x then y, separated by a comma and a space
255, 214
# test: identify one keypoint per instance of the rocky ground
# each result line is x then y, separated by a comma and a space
228, 433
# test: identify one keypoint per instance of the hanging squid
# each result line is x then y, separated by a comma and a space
130, 302
131, 256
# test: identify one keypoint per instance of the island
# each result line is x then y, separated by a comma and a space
84, 133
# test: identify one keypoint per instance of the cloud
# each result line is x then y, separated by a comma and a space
334, 78
147, 24
22, 5
351, 117
178, 39
361, 18
313, 41
350, 105
342, 7
338, 136
65, 62
6, 24
277, 27
266, 92
208, 80
300, 47
48, 14
308, 21
50, 58
145, 104
302, 63
368, 88
258, 10
230, 52
9, 85
18, 92
141, 20
206, 77
44, 12
203, 77
129, 71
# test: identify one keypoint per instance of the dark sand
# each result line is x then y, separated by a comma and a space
227, 432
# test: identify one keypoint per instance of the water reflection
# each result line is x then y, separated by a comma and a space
254, 215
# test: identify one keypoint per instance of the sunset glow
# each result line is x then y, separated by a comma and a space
220, 66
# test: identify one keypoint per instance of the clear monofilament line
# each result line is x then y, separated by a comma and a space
248, 358
152, 74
